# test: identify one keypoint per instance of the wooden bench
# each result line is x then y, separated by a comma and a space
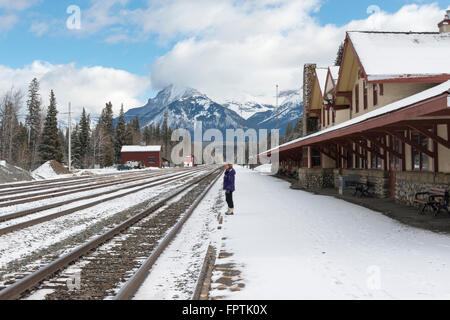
436, 199
360, 185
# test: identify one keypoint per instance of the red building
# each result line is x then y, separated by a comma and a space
148, 156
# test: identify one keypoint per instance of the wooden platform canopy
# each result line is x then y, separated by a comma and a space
421, 112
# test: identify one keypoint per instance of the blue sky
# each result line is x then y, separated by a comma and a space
61, 47
207, 44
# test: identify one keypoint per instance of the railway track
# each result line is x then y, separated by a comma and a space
31, 184
51, 193
56, 185
145, 233
32, 222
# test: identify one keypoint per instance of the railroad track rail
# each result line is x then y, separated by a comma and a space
50, 185
31, 184
130, 288
135, 188
51, 193
36, 183
157, 225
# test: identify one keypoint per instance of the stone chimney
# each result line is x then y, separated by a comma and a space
308, 77
444, 26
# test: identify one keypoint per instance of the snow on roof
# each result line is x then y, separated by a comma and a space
335, 72
421, 96
141, 148
322, 77
386, 55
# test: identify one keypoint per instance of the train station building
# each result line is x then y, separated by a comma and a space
383, 115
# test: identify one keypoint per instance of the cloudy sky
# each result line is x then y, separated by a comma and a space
124, 51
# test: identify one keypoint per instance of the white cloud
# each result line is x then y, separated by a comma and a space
7, 22
84, 87
39, 28
409, 18
101, 15
18, 5
252, 48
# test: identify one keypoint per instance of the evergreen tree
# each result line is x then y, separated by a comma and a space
151, 130
50, 147
64, 145
339, 55
105, 133
289, 131
165, 131
157, 135
147, 136
85, 133
33, 121
119, 135
76, 147
107, 118
137, 134
128, 138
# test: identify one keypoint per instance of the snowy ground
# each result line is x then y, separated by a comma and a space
290, 244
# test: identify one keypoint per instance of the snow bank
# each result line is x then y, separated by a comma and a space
265, 168
49, 170
9, 173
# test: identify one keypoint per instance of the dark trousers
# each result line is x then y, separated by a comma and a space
229, 197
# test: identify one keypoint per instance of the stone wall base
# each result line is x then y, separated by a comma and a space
315, 178
407, 184
411, 182
378, 178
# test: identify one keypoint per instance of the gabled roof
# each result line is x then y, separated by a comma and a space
321, 74
334, 70
332, 77
141, 148
402, 55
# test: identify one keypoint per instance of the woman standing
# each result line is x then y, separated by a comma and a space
229, 187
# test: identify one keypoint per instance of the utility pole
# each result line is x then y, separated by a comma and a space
277, 108
70, 137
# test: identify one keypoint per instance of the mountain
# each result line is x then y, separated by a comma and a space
186, 105
248, 107
290, 109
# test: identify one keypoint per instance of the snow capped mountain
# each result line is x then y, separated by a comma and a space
290, 110
247, 109
185, 105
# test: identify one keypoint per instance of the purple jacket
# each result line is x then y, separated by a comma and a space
228, 180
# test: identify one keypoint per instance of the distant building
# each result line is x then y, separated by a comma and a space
188, 162
147, 156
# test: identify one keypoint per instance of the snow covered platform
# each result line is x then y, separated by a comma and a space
290, 244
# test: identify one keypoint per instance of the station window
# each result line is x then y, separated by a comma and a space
420, 159
316, 158
365, 96
151, 160
357, 98
375, 94
376, 161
